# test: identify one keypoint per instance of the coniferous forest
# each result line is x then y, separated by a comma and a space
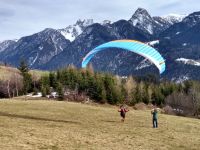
80, 84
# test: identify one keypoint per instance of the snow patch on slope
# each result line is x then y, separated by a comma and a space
150, 29
16, 40
106, 22
67, 33
34, 60
40, 47
72, 31
184, 44
189, 61
143, 64
152, 43
181, 79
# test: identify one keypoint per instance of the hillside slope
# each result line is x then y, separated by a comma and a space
62, 125
8, 73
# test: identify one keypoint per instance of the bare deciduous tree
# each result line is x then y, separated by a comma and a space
194, 91
8, 88
130, 87
11, 86
181, 103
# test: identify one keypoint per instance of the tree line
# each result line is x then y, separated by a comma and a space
107, 88
183, 97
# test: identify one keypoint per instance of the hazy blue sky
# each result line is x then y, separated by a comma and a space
24, 17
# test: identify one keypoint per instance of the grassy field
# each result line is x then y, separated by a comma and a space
55, 125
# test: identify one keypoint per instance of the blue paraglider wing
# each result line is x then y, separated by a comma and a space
131, 45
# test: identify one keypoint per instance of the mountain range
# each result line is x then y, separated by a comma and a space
176, 37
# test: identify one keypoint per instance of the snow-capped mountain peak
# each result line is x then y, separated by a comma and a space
174, 18
141, 12
72, 31
84, 23
141, 19
154, 25
5, 44
106, 22
192, 19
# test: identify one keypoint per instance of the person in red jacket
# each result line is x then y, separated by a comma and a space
123, 111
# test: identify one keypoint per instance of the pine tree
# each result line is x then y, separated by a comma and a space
157, 96
45, 85
137, 95
27, 80
52, 80
113, 92
60, 91
100, 90
23, 67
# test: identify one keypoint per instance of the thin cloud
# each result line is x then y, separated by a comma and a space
4, 12
170, 6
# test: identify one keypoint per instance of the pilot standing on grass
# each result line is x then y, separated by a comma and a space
154, 113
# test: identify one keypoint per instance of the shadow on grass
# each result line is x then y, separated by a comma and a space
110, 121
36, 118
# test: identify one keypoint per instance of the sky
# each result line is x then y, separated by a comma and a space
24, 17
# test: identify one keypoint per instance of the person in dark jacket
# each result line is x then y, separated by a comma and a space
154, 113
123, 112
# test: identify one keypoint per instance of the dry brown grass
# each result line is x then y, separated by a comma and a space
62, 125
38, 73
7, 73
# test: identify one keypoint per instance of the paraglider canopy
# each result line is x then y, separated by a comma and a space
131, 45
